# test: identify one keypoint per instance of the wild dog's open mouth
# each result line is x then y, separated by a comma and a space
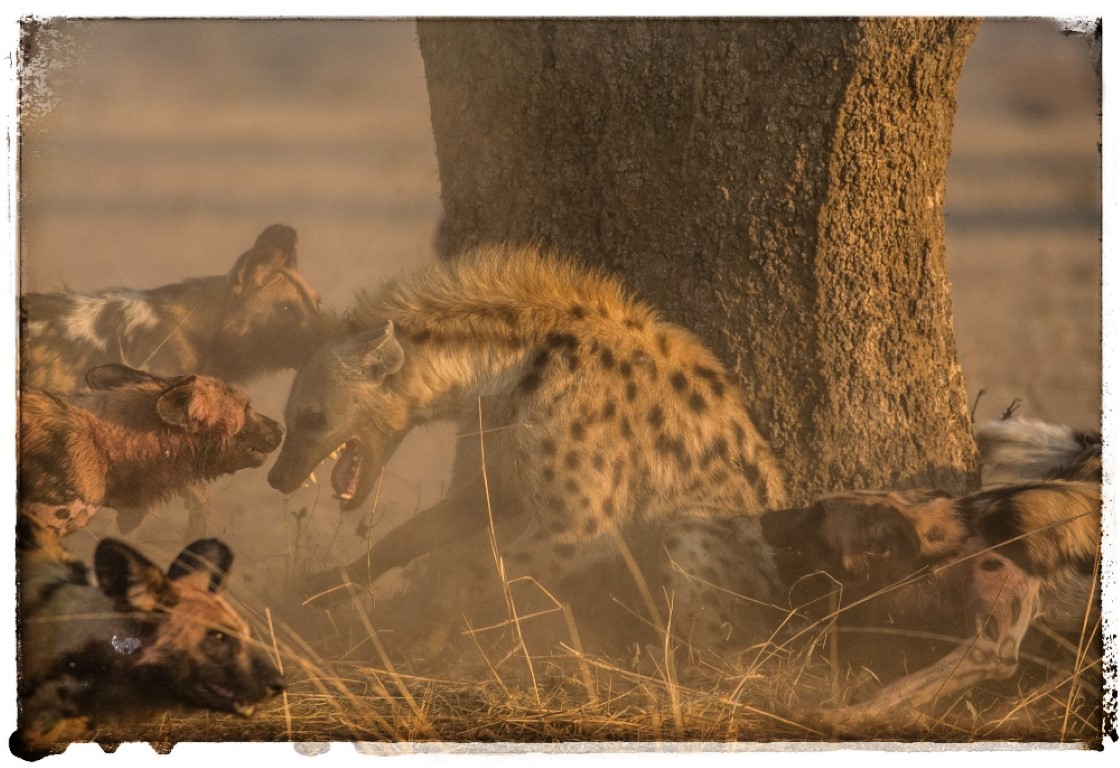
347, 470
224, 698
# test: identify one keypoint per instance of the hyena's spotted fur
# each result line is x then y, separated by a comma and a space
139, 642
987, 565
262, 316
604, 424
131, 440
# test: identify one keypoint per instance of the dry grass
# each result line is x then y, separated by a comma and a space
350, 680
581, 697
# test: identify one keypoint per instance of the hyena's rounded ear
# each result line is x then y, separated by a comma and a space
376, 354
116, 375
283, 237
205, 564
129, 578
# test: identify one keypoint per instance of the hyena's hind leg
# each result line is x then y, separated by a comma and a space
720, 577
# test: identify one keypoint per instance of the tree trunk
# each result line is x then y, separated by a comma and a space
775, 186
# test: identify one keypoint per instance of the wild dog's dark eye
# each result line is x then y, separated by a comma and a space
216, 634
311, 420
287, 307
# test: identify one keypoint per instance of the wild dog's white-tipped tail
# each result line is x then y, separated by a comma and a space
1018, 450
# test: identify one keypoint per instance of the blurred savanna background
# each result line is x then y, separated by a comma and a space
152, 151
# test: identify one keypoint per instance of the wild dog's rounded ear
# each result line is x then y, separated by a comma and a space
283, 237
205, 564
256, 267
32, 535
201, 405
375, 354
116, 375
130, 578
790, 527
174, 406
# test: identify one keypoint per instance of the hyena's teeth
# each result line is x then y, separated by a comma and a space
345, 496
334, 454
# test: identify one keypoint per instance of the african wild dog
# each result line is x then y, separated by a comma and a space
130, 441
138, 643
603, 423
987, 565
261, 317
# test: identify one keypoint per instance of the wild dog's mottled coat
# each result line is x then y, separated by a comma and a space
262, 316
987, 565
138, 643
130, 441
602, 419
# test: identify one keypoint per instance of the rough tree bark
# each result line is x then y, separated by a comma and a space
776, 186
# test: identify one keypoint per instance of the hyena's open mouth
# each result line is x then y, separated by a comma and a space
347, 470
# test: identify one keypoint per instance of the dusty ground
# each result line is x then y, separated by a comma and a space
158, 150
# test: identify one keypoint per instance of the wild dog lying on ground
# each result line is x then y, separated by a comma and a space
987, 565
138, 643
261, 317
601, 419
130, 441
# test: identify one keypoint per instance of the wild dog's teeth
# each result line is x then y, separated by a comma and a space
345, 496
334, 454
312, 479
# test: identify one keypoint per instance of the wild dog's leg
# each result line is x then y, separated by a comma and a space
1004, 602
196, 498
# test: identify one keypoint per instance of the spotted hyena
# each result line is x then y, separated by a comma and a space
262, 316
986, 565
604, 425
130, 440
138, 643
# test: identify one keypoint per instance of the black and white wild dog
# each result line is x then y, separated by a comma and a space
261, 317
986, 565
603, 422
138, 643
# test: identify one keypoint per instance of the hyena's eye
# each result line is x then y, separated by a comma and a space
287, 307
311, 420
216, 634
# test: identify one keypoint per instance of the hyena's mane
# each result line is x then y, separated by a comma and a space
506, 293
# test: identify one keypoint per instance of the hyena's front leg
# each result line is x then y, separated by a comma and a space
1004, 602
460, 514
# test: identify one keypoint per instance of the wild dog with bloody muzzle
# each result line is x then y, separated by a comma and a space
132, 440
140, 642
